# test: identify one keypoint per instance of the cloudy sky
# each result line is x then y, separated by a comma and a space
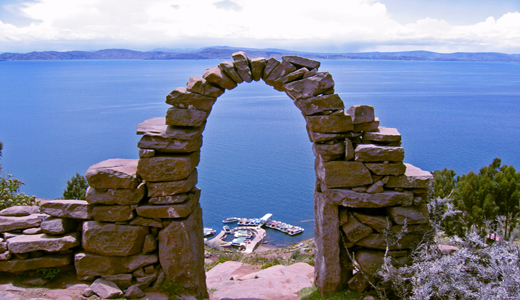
318, 25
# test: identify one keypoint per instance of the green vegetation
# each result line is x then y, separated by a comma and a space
171, 289
76, 188
312, 293
49, 273
10, 190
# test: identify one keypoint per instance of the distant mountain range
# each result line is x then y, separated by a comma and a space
225, 53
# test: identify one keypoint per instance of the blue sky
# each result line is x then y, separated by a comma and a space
325, 25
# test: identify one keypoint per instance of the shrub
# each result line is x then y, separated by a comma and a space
76, 188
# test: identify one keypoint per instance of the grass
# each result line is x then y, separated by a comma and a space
312, 293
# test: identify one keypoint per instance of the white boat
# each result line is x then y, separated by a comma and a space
209, 231
230, 220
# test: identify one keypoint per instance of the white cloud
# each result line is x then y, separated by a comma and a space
251, 23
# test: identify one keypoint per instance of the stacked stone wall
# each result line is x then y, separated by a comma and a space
142, 219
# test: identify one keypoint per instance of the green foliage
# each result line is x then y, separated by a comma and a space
171, 289
49, 273
312, 293
76, 188
444, 183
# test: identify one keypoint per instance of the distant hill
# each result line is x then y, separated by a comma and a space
225, 53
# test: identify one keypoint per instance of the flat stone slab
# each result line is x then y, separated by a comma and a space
361, 113
369, 260
302, 61
113, 240
18, 211
355, 230
181, 98
168, 168
49, 243
172, 211
167, 188
350, 198
337, 174
374, 153
116, 196
330, 123
15, 223
379, 223
170, 145
413, 178
377, 241
105, 289
395, 168
412, 214
47, 261
186, 117
113, 213
383, 134
57, 226
74, 209
90, 264
310, 86
158, 127
115, 173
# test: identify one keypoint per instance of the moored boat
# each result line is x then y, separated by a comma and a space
230, 220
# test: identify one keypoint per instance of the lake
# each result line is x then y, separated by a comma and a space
57, 118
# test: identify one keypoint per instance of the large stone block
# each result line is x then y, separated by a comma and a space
19, 211
181, 98
168, 168
383, 135
90, 264
113, 173
172, 211
368, 126
186, 117
361, 113
335, 174
158, 127
329, 151
379, 223
320, 104
74, 209
145, 222
167, 188
112, 239
106, 289
310, 86
242, 66
281, 70
257, 67
383, 169
116, 196
374, 153
301, 61
378, 241
36, 242
113, 213
229, 68
413, 178
216, 76
350, 198
15, 223
181, 253
168, 145
177, 198
329, 123
201, 86
55, 226
295, 75
409, 214
270, 64
327, 266
370, 260
355, 230
47, 261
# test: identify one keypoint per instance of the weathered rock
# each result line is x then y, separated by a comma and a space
295, 75
368, 126
242, 66
181, 98
161, 189
383, 134
55, 225
373, 153
179, 210
281, 70
369, 260
358, 283
29, 243
15, 223
355, 230
150, 244
318, 137
412, 214
112, 239
172, 199
201, 86
301, 61
320, 104
116, 196
329, 151
377, 187
113, 213
350, 198
361, 113
270, 64
5, 255
160, 144
413, 178
89, 264
19, 211
216, 76
146, 152
150, 269
229, 68
335, 174
343, 215
327, 266
134, 292
329, 123
181, 253
113, 173
121, 280
310, 86
257, 67
3, 246
185, 117
145, 281
158, 127
168, 168
47, 261
377, 241
379, 223
105, 289
145, 222
383, 169
418, 229
74, 209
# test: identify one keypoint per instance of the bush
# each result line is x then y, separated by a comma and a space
76, 188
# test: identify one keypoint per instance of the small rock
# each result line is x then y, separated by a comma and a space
88, 292
134, 292
106, 289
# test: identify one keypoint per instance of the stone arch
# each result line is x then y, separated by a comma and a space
362, 185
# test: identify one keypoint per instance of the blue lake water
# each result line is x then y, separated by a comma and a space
59, 117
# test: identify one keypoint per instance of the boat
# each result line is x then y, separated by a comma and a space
242, 221
238, 241
209, 231
226, 229
265, 219
243, 233
231, 220
295, 230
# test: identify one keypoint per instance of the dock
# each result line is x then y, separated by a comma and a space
217, 240
259, 237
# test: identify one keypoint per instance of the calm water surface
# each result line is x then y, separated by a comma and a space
59, 117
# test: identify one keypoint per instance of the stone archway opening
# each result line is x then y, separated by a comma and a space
362, 185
